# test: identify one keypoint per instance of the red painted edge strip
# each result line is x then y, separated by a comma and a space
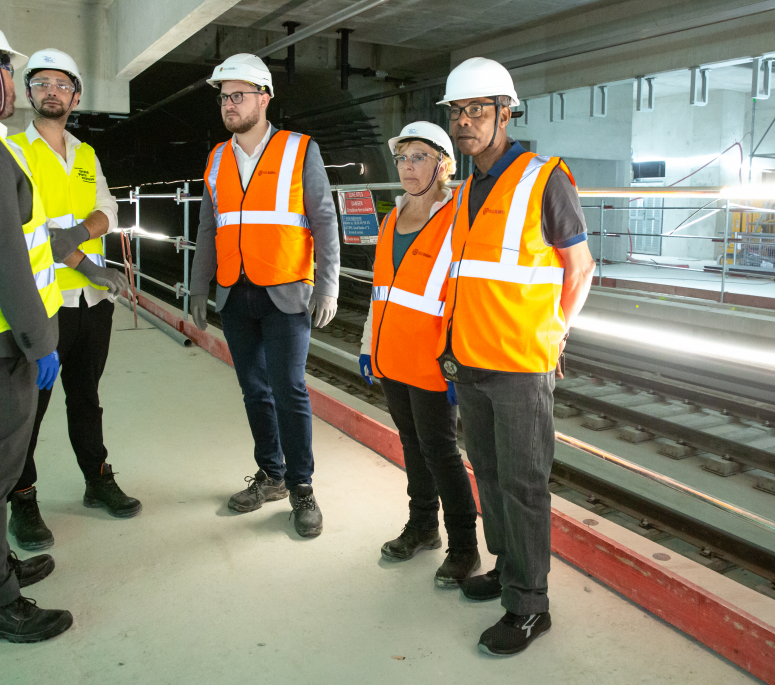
728, 630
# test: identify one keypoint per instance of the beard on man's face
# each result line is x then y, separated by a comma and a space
236, 124
52, 109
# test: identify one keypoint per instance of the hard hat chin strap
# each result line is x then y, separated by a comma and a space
432, 181
32, 102
498, 108
2, 96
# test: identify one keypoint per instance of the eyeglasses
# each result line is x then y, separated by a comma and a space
46, 86
237, 97
417, 159
473, 111
5, 63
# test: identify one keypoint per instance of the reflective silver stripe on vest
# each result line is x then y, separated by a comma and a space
285, 177
379, 292
37, 238
279, 218
515, 221
64, 221
98, 259
509, 273
440, 268
214, 175
427, 305
45, 278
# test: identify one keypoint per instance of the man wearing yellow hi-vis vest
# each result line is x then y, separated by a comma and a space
29, 300
80, 210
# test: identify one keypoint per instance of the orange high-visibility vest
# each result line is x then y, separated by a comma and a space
262, 230
408, 303
503, 311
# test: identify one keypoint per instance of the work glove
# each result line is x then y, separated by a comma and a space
451, 394
323, 307
48, 368
366, 371
115, 281
65, 241
199, 311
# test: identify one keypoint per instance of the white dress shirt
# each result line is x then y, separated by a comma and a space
247, 163
435, 207
105, 203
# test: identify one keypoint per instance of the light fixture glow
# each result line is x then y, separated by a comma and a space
670, 340
753, 191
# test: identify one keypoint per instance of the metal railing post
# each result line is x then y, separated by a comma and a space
600, 265
186, 216
724, 255
137, 239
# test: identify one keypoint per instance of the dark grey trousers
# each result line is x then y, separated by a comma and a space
509, 435
18, 401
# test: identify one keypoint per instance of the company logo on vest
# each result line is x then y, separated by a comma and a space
261, 172
416, 252
487, 210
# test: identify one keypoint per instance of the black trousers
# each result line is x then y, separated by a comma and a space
18, 395
509, 432
427, 426
84, 339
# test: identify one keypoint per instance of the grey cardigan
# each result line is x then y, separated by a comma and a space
290, 298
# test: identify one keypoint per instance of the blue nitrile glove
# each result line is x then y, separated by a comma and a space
365, 363
451, 394
48, 368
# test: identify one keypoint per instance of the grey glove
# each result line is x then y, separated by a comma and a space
323, 307
199, 311
115, 281
65, 241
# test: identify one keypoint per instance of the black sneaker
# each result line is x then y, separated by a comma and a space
512, 634
30, 571
459, 564
103, 491
260, 489
411, 541
26, 523
23, 621
481, 588
309, 519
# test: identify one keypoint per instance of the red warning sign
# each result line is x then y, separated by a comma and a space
358, 202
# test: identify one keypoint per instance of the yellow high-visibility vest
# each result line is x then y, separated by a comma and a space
68, 200
39, 248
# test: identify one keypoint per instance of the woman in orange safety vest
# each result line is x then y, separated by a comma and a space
411, 265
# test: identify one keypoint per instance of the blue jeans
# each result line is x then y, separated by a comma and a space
269, 349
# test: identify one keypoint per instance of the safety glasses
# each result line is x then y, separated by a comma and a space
417, 159
237, 97
46, 86
473, 111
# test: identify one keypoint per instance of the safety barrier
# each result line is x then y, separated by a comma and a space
746, 248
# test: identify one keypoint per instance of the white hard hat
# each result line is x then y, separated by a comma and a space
17, 59
479, 77
243, 67
51, 58
424, 130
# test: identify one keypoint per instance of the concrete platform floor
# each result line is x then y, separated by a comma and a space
683, 278
189, 593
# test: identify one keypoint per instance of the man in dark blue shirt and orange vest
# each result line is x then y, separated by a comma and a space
521, 270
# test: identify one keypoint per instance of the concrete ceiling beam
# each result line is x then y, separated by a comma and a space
144, 31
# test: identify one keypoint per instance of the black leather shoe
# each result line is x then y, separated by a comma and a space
512, 634
260, 489
30, 571
309, 519
26, 523
481, 588
459, 565
23, 621
103, 491
411, 541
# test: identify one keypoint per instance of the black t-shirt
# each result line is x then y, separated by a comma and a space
562, 221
